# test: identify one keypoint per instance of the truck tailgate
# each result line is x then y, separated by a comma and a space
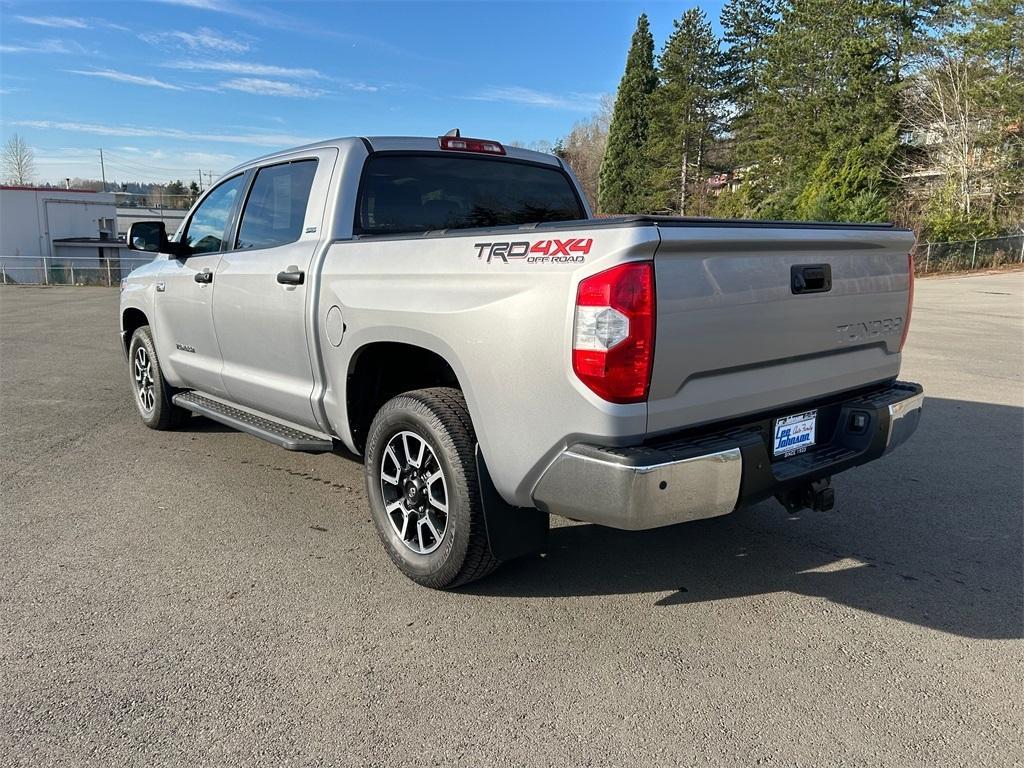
745, 324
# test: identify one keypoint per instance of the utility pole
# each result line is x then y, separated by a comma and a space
200, 179
209, 178
103, 170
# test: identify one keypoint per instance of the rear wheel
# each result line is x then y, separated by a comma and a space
152, 394
422, 485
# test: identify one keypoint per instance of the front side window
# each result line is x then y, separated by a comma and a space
205, 231
417, 193
276, 208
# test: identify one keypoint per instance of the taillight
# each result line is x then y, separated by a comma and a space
910, 301
613, 334
459, 144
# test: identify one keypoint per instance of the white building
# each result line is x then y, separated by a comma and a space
60, 236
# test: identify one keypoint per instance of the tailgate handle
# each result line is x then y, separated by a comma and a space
811, 278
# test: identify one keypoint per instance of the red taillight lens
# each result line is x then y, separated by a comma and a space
459, 144
613, 333
910, 301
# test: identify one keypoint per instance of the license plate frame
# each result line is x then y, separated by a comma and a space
794, 434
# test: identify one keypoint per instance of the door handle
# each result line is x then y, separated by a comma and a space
206, 276
811, 278
296, 277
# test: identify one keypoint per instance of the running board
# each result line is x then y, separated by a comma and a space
288, 437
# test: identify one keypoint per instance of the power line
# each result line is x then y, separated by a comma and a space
147, 166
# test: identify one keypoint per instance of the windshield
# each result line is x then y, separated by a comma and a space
416, 193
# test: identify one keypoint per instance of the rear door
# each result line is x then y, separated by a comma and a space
751, 318
263, 287
184, 333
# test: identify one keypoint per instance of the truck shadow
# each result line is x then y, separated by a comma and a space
932, 535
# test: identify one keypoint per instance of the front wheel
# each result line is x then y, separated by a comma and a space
423, 489
152, 394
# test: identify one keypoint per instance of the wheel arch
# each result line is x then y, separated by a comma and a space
380, 370
132, 318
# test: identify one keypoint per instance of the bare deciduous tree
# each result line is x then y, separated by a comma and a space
18, 161
583, 149
948, 124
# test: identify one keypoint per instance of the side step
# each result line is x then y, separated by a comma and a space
289, 438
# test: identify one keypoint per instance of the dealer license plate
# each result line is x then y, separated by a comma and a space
794, 434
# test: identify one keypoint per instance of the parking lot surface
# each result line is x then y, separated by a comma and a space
200, 597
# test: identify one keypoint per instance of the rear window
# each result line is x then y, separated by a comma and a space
416, 193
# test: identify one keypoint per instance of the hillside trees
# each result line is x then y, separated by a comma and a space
964, 108
910, 110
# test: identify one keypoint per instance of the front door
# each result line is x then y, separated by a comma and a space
184, 334
263, 288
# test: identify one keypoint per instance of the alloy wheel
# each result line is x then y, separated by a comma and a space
144, 378
415, 493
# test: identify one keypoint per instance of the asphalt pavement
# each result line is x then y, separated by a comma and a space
200, 597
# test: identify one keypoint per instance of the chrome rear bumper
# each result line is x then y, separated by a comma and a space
681, 478
584, 485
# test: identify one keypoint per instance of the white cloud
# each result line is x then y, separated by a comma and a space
261, 14
45, 46
203, 38
124, 77
246, 68
263, 87
514, 94
61, 22
257, 14
254, 139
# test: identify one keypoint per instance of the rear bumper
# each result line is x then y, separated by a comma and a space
712, 471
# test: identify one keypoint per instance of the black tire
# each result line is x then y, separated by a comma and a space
439, 417
154, 406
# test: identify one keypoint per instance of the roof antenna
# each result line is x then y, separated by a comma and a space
454, 133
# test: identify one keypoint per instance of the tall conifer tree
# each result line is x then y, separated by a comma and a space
624, 171
686, 112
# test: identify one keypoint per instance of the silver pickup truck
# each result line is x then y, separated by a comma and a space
450, 309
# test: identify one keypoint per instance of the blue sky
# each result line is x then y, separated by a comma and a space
169, 87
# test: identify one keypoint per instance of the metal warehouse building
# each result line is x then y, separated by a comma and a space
60, 236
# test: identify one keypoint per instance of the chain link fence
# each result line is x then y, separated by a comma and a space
67, 270
964, 255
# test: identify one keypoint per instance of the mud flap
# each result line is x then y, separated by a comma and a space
511, 531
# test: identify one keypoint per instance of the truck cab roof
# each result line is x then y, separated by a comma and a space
397, 144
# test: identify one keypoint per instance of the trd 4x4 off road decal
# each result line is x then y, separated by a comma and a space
573, 250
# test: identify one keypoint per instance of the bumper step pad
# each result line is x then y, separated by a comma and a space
289, 438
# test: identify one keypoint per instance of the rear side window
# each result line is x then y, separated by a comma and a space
416, 193
276, 207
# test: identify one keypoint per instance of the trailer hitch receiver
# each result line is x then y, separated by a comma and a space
818, 495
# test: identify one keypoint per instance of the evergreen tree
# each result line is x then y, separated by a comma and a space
685, 114
177, 194
624, 174
746, 25
829, 102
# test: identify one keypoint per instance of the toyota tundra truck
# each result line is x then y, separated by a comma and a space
450, 310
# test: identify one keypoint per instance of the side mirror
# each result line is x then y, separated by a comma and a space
149, 236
